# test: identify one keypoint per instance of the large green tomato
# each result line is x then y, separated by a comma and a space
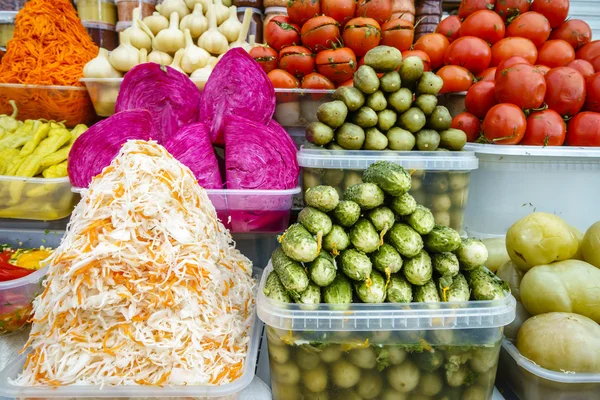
497, 254
540, 238
590, 247
566, 286
561, 342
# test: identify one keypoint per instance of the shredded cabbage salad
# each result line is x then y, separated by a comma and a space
146, 288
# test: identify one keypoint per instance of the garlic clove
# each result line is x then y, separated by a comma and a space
170, 6
171, 39
160, 57
241, 40
124, 57
176, 64
100, 67
196, 22
232, 26
212, 40
194, 57
222, 11
156, 22
139, 34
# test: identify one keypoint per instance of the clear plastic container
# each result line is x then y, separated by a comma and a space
16, 296
440, 180
122, 25
70, 104
514, 181
230, 391
104, 35
265, 211
39, 199
454, 102
104, 11
7, 26
298, 107
379, 350
12, 5
104, 92
529, 381
125, 8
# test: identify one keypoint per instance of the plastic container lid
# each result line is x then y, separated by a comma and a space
533, 368
384, 316
95, 1
98, 25
281, 10
8, 17
318, 157
534, 151
122, 25
254, 10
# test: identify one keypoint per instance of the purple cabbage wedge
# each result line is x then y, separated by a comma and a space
100, 144
237, 86
192, 147
170, 96
259, 156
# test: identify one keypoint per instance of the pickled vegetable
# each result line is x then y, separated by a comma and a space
419, 270
386, 259
404, 204
382, 218
315, 379
336, 240
399, 290
375, 140
383, 58
401, 100
590, 246
364, 357
298, 244
350, 136
445, 264
411, 70
319, 133
400, 139
366, 195
356, 265
346, 213
351, 96
442, 239
429, 360
392, 178
413, 120
539, 239
472, 254
485, 285
377, 101
312, 295
561, 342
421, 220
404, 377
390, 82
426, 293
323, 198
365, 117
366, 80
565, 286
386, 120
339, 291
364, 236
274, 289
323, 270
290, 273
497, 254
406, 240
315, 221
458, 290
373, 290
333, 113
345, 374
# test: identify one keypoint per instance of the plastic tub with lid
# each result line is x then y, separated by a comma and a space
103, 11
70, 104
104, 91
7, 26
529, 381
440, 179
16, 296
514, 181
298, 107
384, 351
12, 5
125, 8
104, 35
230, 391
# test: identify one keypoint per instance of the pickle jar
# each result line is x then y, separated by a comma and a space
256, 24
104, 11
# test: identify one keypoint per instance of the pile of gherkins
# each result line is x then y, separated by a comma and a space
376, 245
397, 111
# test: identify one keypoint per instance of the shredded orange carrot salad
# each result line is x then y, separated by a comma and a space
50, 46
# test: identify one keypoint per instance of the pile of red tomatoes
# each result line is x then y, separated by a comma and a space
532, 77
320, 43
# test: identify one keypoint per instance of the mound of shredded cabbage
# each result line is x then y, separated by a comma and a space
146, 288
